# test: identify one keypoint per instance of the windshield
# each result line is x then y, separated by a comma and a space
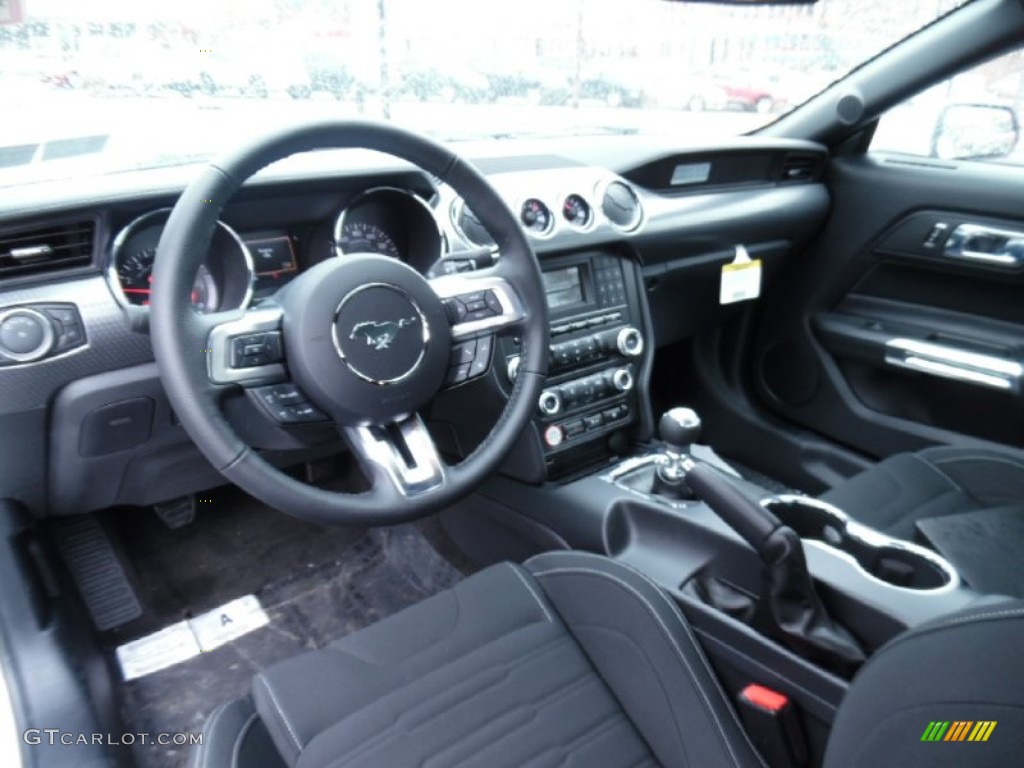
110, 85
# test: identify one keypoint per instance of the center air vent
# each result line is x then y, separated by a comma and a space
46, 249
621, 206
800, 166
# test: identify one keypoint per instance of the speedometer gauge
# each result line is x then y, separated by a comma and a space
364, 237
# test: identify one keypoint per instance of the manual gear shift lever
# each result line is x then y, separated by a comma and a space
679, 428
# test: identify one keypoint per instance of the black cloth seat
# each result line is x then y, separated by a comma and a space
578, 660
902, 489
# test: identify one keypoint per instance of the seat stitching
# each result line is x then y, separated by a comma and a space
1008, 613
682, 622
237, 749
567, 689
565, 749
672, 642
980, 457
529, 589
936, 470
280, 710
211, 725
512, 663
668, 698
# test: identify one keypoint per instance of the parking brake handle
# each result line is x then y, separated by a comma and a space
789, 601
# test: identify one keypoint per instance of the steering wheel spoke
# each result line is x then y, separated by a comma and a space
245, 348
401, 453
484, 303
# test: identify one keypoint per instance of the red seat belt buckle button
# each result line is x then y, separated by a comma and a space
772, 722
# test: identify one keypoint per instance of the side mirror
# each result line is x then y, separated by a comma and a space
975, 131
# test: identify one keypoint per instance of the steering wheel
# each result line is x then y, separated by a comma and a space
367, 339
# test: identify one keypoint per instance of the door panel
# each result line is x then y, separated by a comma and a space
903, 325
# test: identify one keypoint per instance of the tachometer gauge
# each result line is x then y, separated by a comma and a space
577, 211
536, 217
223, 281
204, 291
363, 237
136, 273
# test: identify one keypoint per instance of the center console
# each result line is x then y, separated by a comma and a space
599, 363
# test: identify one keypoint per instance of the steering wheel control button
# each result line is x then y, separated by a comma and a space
458, 373
464, 352
554, 436
380, 333
478, 305
26, 335
456, 311
482, 358
256, 349
303, 413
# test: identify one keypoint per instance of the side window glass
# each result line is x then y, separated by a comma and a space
972, 116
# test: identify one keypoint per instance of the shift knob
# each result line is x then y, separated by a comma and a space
679, 429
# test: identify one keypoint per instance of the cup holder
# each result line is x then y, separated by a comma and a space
894, 562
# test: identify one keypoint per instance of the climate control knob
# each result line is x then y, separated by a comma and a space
622, 379
550, 402
629, 342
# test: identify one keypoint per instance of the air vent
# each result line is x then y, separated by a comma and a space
800, 166
621, 206
46, 249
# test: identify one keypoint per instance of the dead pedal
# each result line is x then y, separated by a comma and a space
97, 572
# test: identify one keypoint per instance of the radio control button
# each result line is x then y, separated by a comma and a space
622, 380
550, 402
629, 341
554, 436
573, 428
593, 422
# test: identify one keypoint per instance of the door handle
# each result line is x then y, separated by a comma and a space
957, 364
986, 245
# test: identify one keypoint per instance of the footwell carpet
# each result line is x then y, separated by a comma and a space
316, 584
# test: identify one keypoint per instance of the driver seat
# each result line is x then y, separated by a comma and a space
578, 660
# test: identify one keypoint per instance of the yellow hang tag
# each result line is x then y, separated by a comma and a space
741, 279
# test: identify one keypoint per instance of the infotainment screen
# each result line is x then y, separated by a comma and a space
563, 287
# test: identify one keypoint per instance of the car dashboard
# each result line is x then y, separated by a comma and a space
631, 236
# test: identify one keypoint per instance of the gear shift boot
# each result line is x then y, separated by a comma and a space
789, 601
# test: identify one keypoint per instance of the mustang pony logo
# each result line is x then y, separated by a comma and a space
379, 335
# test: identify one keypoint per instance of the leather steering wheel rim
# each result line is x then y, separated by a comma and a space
180, 335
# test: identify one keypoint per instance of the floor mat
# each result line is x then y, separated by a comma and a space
316, 584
